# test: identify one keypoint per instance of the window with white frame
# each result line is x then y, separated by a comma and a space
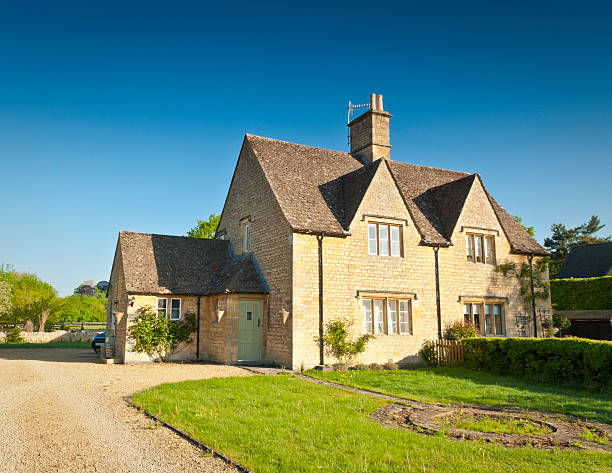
162, 307
384, 239
368, 326
379, 311
387, 316
175, 309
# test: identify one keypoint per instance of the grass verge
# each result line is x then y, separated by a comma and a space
46, 345
285, 424
450, 384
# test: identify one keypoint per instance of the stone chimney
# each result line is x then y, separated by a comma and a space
369, 132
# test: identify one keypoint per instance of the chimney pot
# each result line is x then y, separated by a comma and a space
372, 101
379, 103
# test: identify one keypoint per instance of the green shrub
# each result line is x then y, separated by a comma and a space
459, 330
375, 367
560, 321
158, 336
390, 366
582, 294
337, 343
14, 336
575, 362
428, 353
359, 367
340, 366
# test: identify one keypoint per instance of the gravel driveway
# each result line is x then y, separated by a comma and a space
60, 411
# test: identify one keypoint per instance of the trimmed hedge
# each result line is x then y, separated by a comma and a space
582, 294
575, 362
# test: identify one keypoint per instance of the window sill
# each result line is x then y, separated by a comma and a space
385, 256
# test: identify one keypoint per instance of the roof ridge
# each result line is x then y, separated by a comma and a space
465, 174
297, 144
126, 232
591, 244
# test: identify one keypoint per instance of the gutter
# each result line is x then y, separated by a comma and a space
533, 303
198, 331
438, 308
321, 320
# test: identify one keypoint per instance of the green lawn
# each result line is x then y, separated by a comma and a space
47, 345
286, 424
448, 384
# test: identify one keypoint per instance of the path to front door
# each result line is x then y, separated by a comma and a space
250, 329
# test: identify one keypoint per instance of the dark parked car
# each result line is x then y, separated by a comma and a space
98, 341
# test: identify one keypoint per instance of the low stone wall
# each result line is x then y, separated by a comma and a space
56, 336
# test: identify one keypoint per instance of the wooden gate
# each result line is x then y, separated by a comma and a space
449, 352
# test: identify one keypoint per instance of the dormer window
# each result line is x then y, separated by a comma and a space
384, 239
480, 248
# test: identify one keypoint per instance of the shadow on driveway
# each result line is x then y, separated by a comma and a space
59, 355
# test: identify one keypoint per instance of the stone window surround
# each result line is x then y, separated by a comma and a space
483, 302
386, 297
379, 221
486, 239
245, 233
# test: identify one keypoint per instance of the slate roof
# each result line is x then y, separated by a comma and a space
164, 264
587, 261
319, 190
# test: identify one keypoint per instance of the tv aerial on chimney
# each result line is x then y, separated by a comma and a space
351, 110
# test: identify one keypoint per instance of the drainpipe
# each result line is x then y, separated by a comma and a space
198, 332
438, 309
533, 303
321, 347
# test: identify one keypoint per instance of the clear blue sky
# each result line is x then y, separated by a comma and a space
130, 115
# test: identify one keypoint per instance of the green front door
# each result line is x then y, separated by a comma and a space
250, 325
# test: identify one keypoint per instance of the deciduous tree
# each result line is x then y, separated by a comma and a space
205, 228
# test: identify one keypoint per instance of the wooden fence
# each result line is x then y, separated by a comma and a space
449, 351
78, 325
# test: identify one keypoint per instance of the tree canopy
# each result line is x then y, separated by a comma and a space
5, 298
31, 298
563, 239
78, 308
23, 296
527, 229
205, 228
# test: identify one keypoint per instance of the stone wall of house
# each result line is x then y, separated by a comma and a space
250, 199
117, 300
219, 337
462, 278
350, 272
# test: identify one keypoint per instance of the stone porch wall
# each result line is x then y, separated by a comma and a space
218, 338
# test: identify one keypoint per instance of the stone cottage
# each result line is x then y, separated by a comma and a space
308, 235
